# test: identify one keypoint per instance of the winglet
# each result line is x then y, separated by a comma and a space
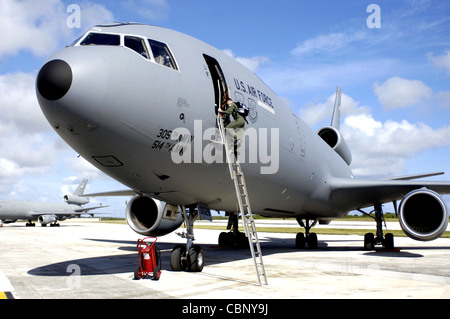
335, 122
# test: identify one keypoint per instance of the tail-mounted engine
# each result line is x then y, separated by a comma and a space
77, 200
151, 217
335, 140
423, 215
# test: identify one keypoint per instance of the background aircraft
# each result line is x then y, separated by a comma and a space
46, 213
138, 102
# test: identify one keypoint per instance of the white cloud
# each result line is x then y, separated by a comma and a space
397, 92
313, 114
94, 14
27, 145
382, 148
41, 28
252, 63
327, 43
20, 109
378, 147
441, 61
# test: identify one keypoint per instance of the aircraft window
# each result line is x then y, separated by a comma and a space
162, 54
136, 44
75, 41
101, 39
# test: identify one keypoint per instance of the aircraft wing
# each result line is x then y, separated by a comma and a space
127, 192
350, 194
416, 176
87, 209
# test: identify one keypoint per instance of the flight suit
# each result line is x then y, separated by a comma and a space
237, 126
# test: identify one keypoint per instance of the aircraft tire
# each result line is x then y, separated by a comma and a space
300, 241
369, 241
389, 241
176, 262
224, 239
196, 259
242, 241
312, 241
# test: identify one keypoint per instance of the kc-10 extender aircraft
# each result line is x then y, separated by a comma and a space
140, 102
46, 213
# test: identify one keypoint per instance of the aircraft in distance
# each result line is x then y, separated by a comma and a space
139, 102
46, 213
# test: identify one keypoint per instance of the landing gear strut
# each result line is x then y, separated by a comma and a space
307, 238
370, 240
234, 238
189, 257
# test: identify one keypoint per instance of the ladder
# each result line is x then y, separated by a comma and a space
244, 204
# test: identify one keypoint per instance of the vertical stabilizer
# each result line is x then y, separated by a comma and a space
80, 189
335, 122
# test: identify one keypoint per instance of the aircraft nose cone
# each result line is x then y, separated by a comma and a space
54, 80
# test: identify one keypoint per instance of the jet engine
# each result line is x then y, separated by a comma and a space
151, 217
47, 219
335, 140
423, 215
77, 200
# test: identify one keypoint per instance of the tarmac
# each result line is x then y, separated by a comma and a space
91, 260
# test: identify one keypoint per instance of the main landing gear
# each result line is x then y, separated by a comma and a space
234, 238
188, 257
30, 223
308, 238
371, 240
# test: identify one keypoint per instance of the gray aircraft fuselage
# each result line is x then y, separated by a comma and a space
120, 109
24, 210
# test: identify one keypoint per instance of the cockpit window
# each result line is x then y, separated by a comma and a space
162, 54
101, 39
136, 44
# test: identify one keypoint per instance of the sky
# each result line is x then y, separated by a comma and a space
391, 58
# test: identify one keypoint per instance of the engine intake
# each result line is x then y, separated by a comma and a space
335, 140
423, 215
47, 219
151, 217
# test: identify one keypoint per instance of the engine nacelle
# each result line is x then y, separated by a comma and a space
77, 200
8, 221
423, 215
335, 140
47, 219
151, 217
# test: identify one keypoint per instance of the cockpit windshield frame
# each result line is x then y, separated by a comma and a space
149, 49
100, 38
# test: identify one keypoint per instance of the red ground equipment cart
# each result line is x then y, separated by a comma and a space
149, 259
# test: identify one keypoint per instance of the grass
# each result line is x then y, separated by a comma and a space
294, 230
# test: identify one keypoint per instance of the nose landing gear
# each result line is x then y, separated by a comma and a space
188, 257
